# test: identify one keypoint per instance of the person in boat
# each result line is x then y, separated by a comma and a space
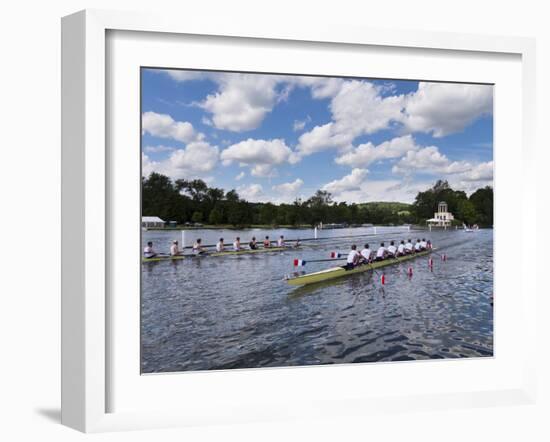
423, 244
428, 245
253, 244
381, 252
281, 241
237, 244
353, 258
392, 250
366, 254
409, 248
297, 243
267, 242
174, 249
148, 251
197, 247
220, 246
401, 249
417, 246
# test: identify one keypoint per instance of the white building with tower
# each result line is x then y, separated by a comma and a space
442, 218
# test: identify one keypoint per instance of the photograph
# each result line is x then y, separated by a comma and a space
293, 220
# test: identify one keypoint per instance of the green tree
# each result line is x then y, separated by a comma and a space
216, 216
482, 199
197, 217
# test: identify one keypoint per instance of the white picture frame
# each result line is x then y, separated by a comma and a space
86, 315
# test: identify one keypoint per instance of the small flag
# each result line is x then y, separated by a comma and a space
383, 279
335, 255
299, 262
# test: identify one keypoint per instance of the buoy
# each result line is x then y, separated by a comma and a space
443, 257
410, 272
383, 279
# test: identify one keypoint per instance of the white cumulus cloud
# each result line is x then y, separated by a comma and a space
368, 153
291, 188
164, 126
350, 182
445, 108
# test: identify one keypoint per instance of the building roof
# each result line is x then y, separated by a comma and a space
151, 219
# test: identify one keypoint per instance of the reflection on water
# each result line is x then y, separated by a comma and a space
237, 312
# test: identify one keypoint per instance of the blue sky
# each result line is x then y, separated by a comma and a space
277, 137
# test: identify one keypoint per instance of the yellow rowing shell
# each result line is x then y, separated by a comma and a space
228, 253
339, 272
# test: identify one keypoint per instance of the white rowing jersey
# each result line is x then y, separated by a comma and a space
401, 248
148, 252
353, 256
392, 250
174, 250
365, 253
423, 244
409, 246
280, 242
219, 246
417, 247
380, 252
237, 245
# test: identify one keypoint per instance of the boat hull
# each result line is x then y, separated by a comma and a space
339, 272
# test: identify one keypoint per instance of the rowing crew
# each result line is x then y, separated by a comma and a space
367, 255
198, 248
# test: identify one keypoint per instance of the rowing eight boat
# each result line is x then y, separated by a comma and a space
338, 272
227, 253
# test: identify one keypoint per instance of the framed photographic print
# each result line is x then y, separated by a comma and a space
261, 224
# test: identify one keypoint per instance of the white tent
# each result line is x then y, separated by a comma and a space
151, 221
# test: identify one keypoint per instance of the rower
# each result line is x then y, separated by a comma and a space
401, 249
267, 242
366, 254
392, 250
417, 246
237, 244
297, 243
220, 246
197, 247
353, 258
409, 247
253, 244
148, 251
174, 249
281, 241
381, 253
423, 244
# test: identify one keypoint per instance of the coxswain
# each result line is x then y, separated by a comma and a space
197, 247
366, 254
417, 246
409, 247
281, 241
392, 249
237, 244
220, 246
353, 258
267, 242
381, 252
429, 245
253, 244
148, 251
174, 249
401, 249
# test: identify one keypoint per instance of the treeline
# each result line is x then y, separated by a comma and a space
193, 201
476, 209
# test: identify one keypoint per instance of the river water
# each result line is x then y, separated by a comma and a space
237, 311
